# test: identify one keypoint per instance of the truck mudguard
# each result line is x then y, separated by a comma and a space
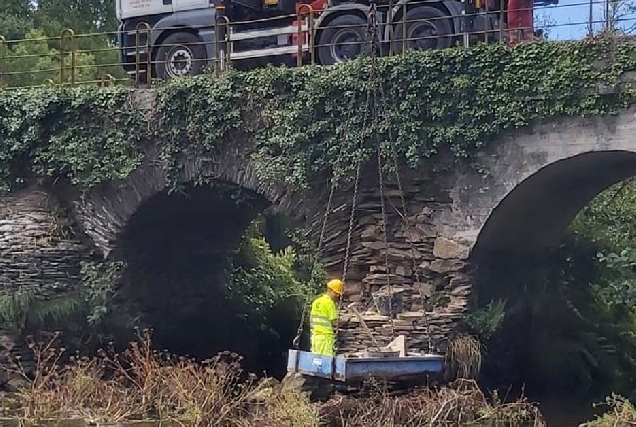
200, 21
340, 8
454, 8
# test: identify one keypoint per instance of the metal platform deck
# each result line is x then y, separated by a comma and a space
361, 368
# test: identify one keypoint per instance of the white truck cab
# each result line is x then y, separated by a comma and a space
133, 8
127, 9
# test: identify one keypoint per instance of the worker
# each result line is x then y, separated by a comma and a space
324, 319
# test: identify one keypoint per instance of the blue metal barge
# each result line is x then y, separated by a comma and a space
346, 369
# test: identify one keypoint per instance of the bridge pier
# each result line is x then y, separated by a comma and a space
40, 260
422, 265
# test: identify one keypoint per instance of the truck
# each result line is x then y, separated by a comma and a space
176, 38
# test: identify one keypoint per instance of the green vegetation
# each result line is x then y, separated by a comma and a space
34, 49
268, 290
297, 124
620, 412
575, 307
89, 313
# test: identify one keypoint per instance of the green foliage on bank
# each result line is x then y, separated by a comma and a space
297, 123
263, 282
619, 411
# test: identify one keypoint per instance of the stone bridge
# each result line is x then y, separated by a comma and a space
517, 194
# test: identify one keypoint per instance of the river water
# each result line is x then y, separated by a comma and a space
563, 412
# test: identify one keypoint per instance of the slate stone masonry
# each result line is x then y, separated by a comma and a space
426, 272
518, 193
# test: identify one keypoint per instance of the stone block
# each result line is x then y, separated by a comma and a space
355, 298
424, 265
352, 288
427, 230
446, 248
371, 232
400, 270
377, 269
446, 265
383, 279
396, 254
424, 289
461, 291
459, 280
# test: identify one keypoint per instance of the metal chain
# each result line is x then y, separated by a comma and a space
404, 213
296, 340
345, 266
299, 331
385, 241
372, 28
412, 245
371, 35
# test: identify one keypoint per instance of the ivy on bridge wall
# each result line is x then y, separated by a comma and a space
294, 121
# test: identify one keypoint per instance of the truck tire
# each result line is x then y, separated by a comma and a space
349, 29
426, 28
180, 54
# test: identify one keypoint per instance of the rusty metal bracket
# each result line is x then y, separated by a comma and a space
221, 36
63, 51
143, 27
107, 80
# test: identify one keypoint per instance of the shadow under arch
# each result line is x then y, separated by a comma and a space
540, 344
177, 249
535, 215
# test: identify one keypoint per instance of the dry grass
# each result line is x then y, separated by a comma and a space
460, 403
463, 357
142, 383
621, 412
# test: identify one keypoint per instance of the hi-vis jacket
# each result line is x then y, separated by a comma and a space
323, 313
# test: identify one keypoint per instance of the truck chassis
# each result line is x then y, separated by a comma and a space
234, 31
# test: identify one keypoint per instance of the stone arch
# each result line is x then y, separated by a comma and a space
548, 172
103, 212
513, 209
469, 206
177, 250
105, 215
536, 214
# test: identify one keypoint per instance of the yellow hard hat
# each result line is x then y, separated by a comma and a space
336, 286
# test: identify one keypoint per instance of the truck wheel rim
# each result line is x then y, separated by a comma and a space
346, 45
422, 35
179, 61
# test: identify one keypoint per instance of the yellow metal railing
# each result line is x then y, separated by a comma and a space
72, 58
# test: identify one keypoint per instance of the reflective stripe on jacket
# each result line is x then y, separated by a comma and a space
323, 312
